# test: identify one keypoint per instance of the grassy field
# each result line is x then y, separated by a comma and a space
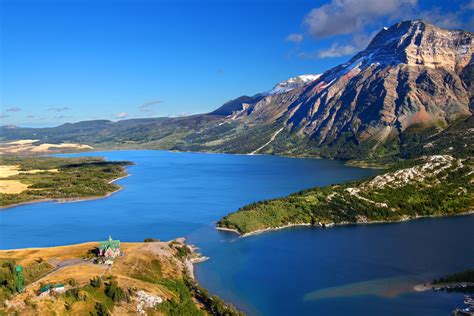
27, 179
158, 269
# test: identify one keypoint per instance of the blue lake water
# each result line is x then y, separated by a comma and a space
357, 270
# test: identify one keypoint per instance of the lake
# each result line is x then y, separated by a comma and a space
356, 269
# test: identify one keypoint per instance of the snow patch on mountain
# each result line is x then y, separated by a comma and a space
292, 83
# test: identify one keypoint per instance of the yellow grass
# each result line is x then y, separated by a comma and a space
12, 187
13, 170
23, 142
15, 186
38, 171
46, 147
8, 170
28, 146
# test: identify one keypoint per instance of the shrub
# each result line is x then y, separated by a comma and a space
113, 291
96, 282
101, 309
151, 239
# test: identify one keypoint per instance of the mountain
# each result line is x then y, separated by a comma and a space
412, 74
292, 83
242, 103
412, 82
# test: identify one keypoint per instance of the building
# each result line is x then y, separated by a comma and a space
109, 250
48, 288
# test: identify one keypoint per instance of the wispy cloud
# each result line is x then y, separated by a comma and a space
13, 109
30, 116
3, 115
121, 115
294, 38
341, 17
58, 109
149, 105
336, 50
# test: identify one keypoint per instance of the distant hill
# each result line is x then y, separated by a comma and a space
412, 82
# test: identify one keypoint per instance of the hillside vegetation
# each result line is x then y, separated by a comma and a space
428, 186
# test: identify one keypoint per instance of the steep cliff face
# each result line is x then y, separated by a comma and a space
412, 73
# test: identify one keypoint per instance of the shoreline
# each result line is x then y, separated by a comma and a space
195, 258
329, 225
72, 199
439, 287
111, 149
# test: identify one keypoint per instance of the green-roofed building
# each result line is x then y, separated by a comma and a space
109, 249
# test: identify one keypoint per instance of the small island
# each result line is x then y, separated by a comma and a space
36, 179
436, 185
105, 278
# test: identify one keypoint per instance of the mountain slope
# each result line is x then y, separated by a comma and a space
412, 73
413, 81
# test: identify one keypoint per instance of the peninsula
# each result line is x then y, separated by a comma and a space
144, 278
35, 179
428, 186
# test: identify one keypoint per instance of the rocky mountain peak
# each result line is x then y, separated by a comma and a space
418, 42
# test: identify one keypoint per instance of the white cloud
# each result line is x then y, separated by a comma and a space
13, 109
336, 50
295, 38
121, 115
351, 16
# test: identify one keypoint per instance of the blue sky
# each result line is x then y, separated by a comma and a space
66, 61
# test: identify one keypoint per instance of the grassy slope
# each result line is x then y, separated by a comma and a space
447, 193
76, 178
158, 268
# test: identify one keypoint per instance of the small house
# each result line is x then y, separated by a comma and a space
48, 288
